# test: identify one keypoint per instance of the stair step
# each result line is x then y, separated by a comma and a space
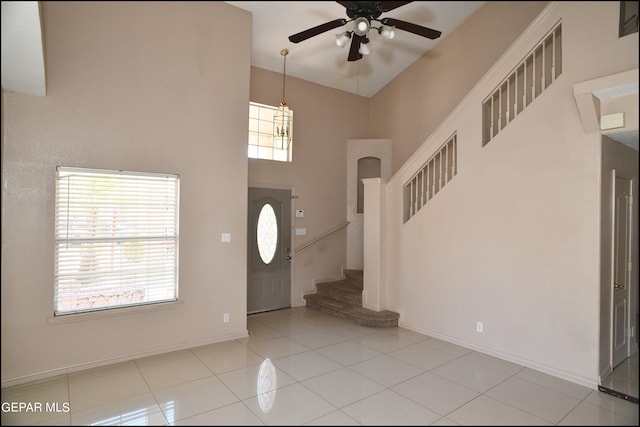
354, 277
360, 315
341, 290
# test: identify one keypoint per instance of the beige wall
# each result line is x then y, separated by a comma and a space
324, 119
513, 240
412, 106
142, 87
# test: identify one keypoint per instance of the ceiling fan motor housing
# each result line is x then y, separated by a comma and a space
362, 13
365, 9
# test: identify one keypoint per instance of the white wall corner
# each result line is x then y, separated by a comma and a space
373, 277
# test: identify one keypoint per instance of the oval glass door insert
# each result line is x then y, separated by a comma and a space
267, 233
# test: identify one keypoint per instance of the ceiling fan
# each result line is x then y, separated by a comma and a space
364, 14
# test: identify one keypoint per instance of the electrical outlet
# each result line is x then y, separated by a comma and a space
226, 318
479, 327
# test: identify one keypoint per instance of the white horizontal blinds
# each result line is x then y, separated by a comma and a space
116, 239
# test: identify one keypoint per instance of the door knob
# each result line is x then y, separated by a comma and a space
617, 286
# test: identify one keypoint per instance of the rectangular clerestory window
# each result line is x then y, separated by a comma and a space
261, 144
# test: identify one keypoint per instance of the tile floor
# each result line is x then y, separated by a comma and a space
302, 367
624, 378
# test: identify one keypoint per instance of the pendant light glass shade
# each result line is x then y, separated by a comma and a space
282, 127
283, 117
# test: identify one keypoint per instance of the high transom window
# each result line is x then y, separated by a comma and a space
261, 144
116, 239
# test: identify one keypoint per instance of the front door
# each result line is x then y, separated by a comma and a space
621, 269
269, 250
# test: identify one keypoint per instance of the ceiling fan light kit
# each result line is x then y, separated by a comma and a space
387, 32
364, 47
363, 13
343, 38
361, 26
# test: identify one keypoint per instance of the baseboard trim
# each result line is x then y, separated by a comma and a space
51, 373
592, 383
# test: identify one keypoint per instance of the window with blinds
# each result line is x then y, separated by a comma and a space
116, 239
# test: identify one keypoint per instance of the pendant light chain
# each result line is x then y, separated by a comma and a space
283, 118
284, 52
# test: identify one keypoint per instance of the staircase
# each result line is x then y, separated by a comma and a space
343, 298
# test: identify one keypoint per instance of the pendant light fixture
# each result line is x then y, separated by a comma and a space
283, 117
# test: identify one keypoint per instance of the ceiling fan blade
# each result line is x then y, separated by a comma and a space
354, 55
314, 31
386, 6
412, 28
382, 6
348, 4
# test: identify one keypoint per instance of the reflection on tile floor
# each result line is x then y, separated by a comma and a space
302, 367
624, 379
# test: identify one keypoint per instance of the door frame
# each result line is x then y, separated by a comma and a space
292, 234
617, 159
615, 174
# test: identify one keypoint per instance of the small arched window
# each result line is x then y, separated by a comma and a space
368, 167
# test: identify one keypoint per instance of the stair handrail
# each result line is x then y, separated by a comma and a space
322, 236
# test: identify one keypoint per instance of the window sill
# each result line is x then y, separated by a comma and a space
113, 312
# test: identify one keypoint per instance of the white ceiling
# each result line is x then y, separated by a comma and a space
320, 60
317, 59
22, 51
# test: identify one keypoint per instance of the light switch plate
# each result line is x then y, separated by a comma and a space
225, 237
301, 231
299, 213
